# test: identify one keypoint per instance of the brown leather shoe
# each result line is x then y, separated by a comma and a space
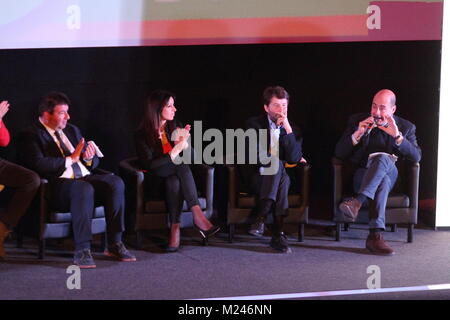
350, 209
375, 244
3, 234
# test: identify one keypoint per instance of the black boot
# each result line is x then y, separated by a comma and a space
264, 207
279, 240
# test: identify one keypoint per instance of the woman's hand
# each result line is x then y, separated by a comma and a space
4, 108
179, 133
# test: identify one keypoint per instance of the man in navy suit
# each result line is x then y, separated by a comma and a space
56, 150
285, 145
374, 144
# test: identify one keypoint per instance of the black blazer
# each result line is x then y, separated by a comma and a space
152, 158
290, 145
359, 153
38, 151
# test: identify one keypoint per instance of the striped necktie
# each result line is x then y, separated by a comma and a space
76, 168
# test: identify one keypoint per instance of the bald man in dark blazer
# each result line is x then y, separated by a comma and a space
374, 143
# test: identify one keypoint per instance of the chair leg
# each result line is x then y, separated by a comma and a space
394, 228
138, 239
410, 232
41, 252
19, 242
338, 231
231, 229
103, 242
205, 242
301, 232
346, 226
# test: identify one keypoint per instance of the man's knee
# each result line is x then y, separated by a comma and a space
384, 159
32, 181
82, 191
116, 184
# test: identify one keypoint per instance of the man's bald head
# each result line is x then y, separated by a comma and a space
386, 95
383, 106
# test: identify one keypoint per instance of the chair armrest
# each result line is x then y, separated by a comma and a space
232, 189
43, 194
337, 165
101, 171
301, 170
128, 169
412, 188
205, 176
134, 179
337, 162
304, 170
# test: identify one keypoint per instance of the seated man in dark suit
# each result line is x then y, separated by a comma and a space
57, 151
374, 144
285, 145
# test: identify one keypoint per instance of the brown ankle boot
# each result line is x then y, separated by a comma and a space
375, 244
350, 209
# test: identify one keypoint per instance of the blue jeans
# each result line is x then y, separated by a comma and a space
375, 182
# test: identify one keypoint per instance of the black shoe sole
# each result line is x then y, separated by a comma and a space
255, 234
287, 250
380, 253
109, 254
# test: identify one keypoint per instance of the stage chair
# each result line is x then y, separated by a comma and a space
241, 202
402, 203
54, 224
146, 207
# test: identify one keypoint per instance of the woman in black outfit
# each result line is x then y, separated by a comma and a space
157, 153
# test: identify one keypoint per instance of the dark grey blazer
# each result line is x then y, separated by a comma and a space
358, 154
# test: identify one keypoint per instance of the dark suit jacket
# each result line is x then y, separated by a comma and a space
38, 151
152, 158
290, 145
359, 153
290, 150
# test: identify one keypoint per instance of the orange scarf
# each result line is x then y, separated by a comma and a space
167, 147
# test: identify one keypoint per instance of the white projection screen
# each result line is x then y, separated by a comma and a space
99, 23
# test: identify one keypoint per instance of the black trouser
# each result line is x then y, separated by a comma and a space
25, 184
274, 187
80, 196
180, 185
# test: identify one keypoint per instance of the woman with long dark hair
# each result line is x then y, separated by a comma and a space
157, 153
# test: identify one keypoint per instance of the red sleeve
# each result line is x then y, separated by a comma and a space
4, 135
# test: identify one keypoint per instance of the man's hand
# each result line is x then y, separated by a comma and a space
4, 108
363, 127
282, 119
76, 154
392, 128
89, 153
